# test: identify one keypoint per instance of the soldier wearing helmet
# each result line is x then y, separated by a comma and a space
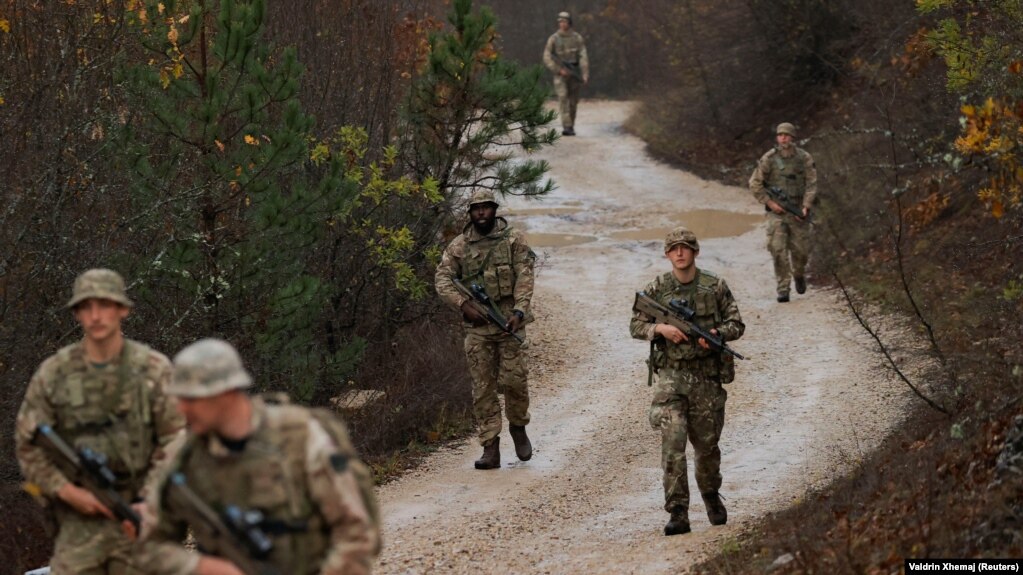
107, 393
565, 56
296, 468
495, 256
689, 400
789, 173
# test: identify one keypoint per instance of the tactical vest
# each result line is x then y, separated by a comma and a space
567, 47
788, 175
268, 475
107, 410
702, 298
489, 262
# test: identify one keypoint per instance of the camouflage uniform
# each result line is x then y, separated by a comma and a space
790, 169
689, 401
502, 263
568, 47
290, 468
119, 409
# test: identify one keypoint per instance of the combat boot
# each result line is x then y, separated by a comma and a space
800, 285
783, 298
523, 448
716, 511
679, 522
491, 458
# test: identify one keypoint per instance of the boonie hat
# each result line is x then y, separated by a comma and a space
564, 16
206, 368
681, 235
99, 284
786, 128
482, 197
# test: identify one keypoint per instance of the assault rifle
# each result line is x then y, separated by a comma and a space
573, 68
479, 299
679, 314
88, 469
782, 199
236, 535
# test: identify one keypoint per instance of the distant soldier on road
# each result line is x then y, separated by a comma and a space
689, 400
248, 454
489, 253
106, 393
785, 181
565, 56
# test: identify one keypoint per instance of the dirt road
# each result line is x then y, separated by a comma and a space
809, 402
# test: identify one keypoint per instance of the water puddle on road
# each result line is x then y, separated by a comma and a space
557, 240
556, 211
704, 223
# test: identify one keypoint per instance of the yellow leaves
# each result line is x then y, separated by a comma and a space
319, 154
172, 36
219, 144
1015, 67
164, 78
251, 140
994, 132
5, 25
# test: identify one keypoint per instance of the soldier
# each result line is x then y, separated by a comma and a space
788, 170
689, 400
298, 470
491, 253
565, 56
106, 393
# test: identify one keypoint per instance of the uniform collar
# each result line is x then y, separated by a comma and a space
216, 446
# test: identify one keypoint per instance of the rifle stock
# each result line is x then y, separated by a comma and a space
676, 315
88, 469
479, 299
243, 545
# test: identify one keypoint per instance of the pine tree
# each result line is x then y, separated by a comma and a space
470, 110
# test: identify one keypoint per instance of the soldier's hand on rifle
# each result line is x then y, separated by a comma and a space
127, 527
472, 315
775, 207
514, 322
564, 72
670, 333
83, 501
806, 212
704, 343
209, 565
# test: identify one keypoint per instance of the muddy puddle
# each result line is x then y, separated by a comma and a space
558, 211
538, 240
704, 223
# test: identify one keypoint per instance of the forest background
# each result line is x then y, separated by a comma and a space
287, 182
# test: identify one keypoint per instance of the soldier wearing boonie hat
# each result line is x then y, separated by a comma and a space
689, 400
789, 172
106, 393
296, 467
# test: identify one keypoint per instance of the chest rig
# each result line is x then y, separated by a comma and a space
789, 175
488, 261
702, 298
107, 409
268, 475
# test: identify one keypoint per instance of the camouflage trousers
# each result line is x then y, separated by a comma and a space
91, 546
688, 407
567, 90
497, 365
787, 239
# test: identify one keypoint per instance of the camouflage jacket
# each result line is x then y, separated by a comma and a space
791, 171
119, 409
570, 49
715, 309
501, 262
291, 470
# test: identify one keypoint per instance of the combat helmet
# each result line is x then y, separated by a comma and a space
206, 368
99, 283
565, 16
482, 197
786, 128
681, 235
